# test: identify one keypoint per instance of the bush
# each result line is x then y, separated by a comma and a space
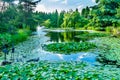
22, 35
90, 28
5, 39
109, 29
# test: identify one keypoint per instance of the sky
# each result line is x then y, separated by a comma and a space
52, 5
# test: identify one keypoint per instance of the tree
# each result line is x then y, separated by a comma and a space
118, 16
47, 23
60, 18
85, 12
54, 19
66, 20
104, 13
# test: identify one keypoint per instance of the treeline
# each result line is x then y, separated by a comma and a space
18, 20
104, 15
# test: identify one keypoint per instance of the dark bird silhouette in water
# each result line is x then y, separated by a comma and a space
33, 60
5, 63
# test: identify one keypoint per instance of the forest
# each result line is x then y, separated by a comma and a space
18, 22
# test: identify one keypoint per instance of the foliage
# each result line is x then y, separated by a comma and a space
109, 29
22, 35
47, 23
104, 14
67, 48
88, 36
73, 20
5, 39
109, 50
16, 17
85, 12
57, 70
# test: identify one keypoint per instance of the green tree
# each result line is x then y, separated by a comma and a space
85, 12
60, 18
104, 13
47, 23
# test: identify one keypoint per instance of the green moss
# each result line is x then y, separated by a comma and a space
69, 47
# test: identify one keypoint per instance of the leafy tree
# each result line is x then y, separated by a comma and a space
104, 13
60, 18
47, 23
66, 20
118, 16
85, 12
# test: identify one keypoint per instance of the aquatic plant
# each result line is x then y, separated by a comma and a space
57, 70
67, 48
88, 36
108, 50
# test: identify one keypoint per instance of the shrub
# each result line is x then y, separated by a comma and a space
90, 28
22, 35
5, 39
109, 29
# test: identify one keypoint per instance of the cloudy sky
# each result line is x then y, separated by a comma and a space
51, 5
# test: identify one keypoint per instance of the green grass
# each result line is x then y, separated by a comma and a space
57, 71
67, 48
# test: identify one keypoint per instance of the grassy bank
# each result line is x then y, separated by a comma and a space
19, 36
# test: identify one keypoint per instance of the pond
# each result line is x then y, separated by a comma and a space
64, 36
33, 47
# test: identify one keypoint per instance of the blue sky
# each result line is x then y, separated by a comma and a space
52, 5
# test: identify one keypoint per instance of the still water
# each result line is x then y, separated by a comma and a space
33, 47
63, 36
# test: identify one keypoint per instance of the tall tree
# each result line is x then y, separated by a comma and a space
104, 13
61, 16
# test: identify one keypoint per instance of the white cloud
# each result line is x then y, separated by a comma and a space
80, 7
93, 1
41, 7
64, 1
16, 2
54, 0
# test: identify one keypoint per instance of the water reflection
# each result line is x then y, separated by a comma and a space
81, 56
45, 37
64, 36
